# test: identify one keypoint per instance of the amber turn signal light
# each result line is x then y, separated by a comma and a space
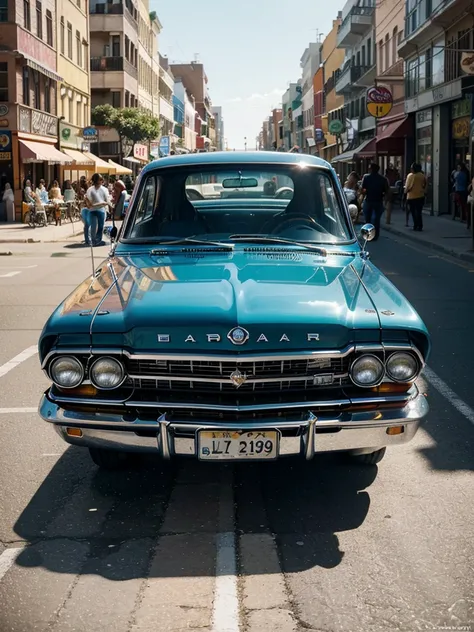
74, 432
86, 390
395, 430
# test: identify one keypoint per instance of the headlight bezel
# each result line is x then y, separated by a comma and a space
123, 375
409, 355
358, 359
61, 358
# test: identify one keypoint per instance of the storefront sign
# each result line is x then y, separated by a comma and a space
461, 128
336, 127
440, 94
43, 124
467, 62
90, 134
6, 146
461, 108
4, 122
85, 146
155, 149
319, 134
140, 152
379, 101
165, 145
3, 109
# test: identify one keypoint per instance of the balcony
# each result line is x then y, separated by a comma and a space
350, 78
356, 24
107, 8
427, 19
367, 76
112, 64
166, 109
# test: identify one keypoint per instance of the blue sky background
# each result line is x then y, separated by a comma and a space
251, 50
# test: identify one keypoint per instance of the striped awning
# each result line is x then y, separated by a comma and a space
44, 70
31, 151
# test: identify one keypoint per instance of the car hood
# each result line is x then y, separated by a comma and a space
285, 301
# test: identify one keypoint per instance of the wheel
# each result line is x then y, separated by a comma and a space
369, 459
41, 219
110, 459
29, 220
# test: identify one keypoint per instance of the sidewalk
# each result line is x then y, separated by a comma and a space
22, 233
441, 234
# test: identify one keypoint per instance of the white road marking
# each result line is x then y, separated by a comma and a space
7, 559
447, 392
13, 411
21, 357
225, 614
20, 267
10, 274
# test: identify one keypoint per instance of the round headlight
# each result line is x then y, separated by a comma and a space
67, 372
367, 370
107, 373
402, 367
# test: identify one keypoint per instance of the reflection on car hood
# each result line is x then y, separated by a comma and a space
279, 297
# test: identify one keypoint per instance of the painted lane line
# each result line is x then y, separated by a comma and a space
225, 611
448, 393
20, 267
10, 274
13, 411
7, 559
21, 357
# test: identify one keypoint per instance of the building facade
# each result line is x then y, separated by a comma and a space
219, 125
310, 63
189, 114
194, 79
438, 91
332, 59
166, 87
30, 83
74, 91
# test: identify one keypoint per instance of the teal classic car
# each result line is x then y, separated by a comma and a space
237, 317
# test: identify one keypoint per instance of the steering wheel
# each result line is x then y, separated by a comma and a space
301, 218
285, 193
194, 195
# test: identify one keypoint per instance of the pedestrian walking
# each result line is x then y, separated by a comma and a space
98, 202
415, 188
461, 186
8, 199
375, 188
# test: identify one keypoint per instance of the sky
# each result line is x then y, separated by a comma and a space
251, 50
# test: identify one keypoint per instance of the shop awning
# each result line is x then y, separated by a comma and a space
100, 166
44, 70
119, 169
393, 135
31, 151
133, 160
364, 150
79, 159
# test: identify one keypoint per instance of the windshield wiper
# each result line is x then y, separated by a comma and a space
192, 240
278, 240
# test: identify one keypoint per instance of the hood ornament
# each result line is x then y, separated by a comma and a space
238, 336
237, 378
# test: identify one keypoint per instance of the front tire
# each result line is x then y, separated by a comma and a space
110, 459
369, 459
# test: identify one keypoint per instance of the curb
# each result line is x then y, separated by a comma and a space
464, 256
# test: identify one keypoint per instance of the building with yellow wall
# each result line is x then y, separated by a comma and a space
332, 59
73, 66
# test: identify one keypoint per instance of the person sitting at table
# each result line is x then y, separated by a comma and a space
56, 198
69, 197
41, 192
28, 196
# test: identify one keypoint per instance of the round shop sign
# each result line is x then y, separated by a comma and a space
336, 127
3, 109
379, 101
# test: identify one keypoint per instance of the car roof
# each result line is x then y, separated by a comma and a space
239, 157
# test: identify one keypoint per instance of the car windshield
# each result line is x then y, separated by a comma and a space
237, 203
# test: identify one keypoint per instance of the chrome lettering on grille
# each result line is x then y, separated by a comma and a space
262, 338
284, 338
165, 338
190, 339
213, 338
313, 337
323, 380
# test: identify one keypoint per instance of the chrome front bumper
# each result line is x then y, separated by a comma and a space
361, 431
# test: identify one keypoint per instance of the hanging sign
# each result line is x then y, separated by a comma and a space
379, 101
90, 134
336, 127
467, 62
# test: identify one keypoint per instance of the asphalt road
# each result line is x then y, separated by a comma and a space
322, 546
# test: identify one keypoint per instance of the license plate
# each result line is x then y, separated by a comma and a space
237, 445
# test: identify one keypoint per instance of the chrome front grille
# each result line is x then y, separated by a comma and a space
260, 375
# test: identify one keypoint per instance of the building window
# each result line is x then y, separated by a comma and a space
127, 48
84, 54
69, 40
47, 95
78, 113
86, 114
412, 78
127, 98
36, 90
79, 48
4, 81
369, 52
62, 34
26, 85
116, 99
3, 10
437, 62
387, 52
115, 45
39, 20
26, 15
394, 45
49, 28
381, 55
78, 2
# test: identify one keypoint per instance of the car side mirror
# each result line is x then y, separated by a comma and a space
367, 232
354, 212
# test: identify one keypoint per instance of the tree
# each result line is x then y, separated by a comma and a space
104, 115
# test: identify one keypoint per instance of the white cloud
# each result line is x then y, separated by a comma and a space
257, 96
